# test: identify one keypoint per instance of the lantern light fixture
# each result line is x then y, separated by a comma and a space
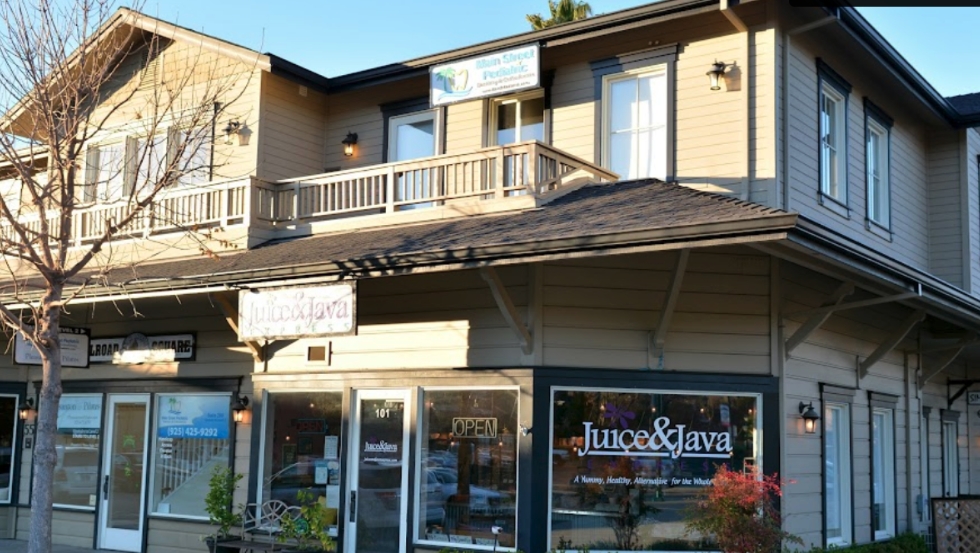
26, 411
716, 73
239, 408
349, 141
810, 417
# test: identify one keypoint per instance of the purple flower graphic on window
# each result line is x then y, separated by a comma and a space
614, 413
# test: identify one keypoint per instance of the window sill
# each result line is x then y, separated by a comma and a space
180, 518
834, 205
878, 230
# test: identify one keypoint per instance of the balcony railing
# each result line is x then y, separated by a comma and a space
528, 168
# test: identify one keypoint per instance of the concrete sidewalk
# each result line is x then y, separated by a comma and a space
17, 546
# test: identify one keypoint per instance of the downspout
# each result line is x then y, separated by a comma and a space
787, 52
726, 9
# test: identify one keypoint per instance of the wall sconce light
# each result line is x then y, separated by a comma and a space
349, 143
810, 417
237, 129
716, 73
26, 411
239, 408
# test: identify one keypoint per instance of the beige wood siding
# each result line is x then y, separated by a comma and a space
909, 185
945, 206
292, 129
465, 126
828, 357
972, 137
176, 536
600, 312
74, 528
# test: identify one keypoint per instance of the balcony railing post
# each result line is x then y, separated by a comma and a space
498, 173
390, 190
532, 169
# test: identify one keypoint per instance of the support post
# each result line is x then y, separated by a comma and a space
231, 317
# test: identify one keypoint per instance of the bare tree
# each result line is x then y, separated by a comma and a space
72, 73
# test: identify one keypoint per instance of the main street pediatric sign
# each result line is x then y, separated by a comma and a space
296, 312
483, 76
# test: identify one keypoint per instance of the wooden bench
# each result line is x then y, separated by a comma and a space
261, 524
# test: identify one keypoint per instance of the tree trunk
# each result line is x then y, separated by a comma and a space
45, 455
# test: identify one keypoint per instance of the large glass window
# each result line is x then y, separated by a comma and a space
833, 158
883, 473
106, 173
519, 118
193, 436
77, 446
635, 115
951, 461
627, 464
8, 433
468, 473
837, 473
302, 448
194, 164
879, 192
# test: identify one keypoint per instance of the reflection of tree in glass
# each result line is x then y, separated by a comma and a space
630, 501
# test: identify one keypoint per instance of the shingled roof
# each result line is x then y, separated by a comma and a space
594, 217
965, 104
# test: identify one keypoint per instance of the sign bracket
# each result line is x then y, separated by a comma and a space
964, 386
231, 316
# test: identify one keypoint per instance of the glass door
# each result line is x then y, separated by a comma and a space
377, 514
121, 508
413, 136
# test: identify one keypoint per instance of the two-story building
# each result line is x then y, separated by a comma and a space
546, 283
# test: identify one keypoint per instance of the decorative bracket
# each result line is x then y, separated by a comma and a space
658, 337
231, 316
965, 385
952, 352
507, 308
817, 319
891, 342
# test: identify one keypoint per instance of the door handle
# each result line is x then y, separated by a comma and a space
353, 505
105, 487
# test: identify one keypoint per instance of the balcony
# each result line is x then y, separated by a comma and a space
491, 179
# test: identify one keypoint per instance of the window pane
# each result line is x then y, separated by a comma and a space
532, 119
415, 140
507, 123
622, 102
621, 155
302, 452
622, 479
195, 160
468, 476
193, 437
110, 177
878, 473
77, 447
10, 189
8, 426
653, 100
151, 159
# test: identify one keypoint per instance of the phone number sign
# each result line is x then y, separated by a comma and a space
190, 416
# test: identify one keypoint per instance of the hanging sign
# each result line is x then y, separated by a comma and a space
188, 416
469, 427
74, 348
137, 349
326, 310
80, 415
483, 76
973, 398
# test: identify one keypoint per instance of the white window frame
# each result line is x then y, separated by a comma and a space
518, 99
833, 189
878, 172
843, 462
12, 188
884, 469
14, 448
154, 430
419, 398
951, 459
636, 74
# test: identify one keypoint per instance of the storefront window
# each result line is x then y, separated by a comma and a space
302, 451
76, 473
8, 427
193, 436
627, 464
468, 473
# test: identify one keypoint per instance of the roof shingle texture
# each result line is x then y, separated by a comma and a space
591, 211
966, 104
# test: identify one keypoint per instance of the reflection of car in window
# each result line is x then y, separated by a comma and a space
76, 472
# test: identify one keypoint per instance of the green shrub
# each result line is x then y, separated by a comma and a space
905, 543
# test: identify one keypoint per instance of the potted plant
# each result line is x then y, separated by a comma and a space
309, 529
218, 504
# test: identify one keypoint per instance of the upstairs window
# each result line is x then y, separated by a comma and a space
635, 112
833, 134
878, 166
10, 189
518, 119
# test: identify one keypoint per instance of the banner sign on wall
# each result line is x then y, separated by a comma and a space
190, 416
483, 76
327, 310
80, 415
137, 348
74, 348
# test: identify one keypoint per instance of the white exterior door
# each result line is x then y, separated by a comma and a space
377, 504
123, 480
414, 136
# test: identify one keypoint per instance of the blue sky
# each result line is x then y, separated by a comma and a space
334, 37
